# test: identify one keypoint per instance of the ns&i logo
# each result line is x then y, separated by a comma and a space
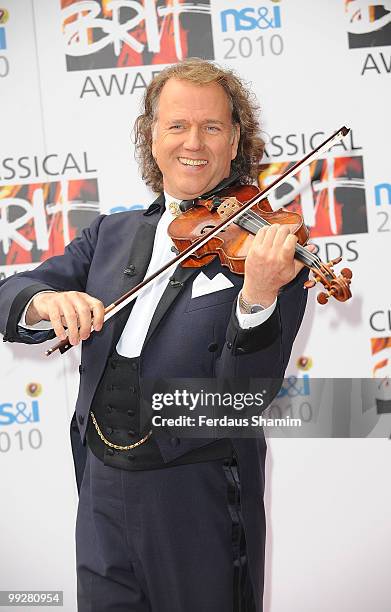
20, 414
250, 18
382, 194
261, 25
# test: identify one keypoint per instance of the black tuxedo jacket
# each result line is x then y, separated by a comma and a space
188, 337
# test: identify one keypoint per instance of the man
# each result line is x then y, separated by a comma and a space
168, 524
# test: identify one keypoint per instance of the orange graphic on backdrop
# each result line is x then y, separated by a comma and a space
329, 193
40, 219
378, 345
104, 34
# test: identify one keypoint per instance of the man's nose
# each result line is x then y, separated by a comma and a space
193, 140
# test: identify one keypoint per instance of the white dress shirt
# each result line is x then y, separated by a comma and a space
137, 325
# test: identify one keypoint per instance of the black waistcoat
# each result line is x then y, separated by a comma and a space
117, 414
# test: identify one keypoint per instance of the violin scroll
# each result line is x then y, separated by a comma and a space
336, 286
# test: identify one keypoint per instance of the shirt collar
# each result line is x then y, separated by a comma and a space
169, 198
172, 204
158, 204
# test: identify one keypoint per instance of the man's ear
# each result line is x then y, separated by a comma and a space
235, 140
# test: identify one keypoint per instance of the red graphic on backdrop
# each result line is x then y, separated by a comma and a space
329, 193
381, 351
103, 34
380, 345
368, 23
37, 221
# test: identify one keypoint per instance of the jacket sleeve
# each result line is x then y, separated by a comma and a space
264, 351
67, 272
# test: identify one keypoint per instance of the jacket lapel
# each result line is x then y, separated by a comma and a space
171, 292
138, 261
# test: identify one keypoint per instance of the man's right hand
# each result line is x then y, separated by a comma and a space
73, 310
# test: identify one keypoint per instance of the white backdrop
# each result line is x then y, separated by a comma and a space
69, 94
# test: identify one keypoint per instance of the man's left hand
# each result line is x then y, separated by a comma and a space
270, 264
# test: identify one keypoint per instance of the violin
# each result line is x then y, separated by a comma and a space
232, 244
204, 232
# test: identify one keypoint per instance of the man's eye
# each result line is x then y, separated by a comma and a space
177, 126
212, 128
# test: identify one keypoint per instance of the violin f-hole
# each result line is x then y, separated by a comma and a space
207, 228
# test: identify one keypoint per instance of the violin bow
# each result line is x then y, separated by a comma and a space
132, 294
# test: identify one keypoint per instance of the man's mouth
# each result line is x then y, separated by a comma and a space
186, 161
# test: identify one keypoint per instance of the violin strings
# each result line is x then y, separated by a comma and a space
307, 256
255, 222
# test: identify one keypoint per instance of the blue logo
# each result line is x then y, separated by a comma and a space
19, 413
382, 194
118, 209
4, 15
251, 18
3, 44
295, 387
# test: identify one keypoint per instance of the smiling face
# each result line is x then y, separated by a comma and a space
194, 139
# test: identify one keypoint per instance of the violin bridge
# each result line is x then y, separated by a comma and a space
227, 207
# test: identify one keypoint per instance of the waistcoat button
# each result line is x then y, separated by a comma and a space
110, 451
109, 430
130, 412
131, 433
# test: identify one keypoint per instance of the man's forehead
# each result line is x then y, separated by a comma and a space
175, 83
183, 94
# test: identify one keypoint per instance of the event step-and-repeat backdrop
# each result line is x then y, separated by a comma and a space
72, 75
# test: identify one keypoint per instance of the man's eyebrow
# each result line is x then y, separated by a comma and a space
178, 120
214, 121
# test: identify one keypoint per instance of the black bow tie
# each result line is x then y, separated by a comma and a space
227, 182
187, 204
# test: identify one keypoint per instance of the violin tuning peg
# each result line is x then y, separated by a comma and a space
335, 261
309, 284
322, 298
346, 273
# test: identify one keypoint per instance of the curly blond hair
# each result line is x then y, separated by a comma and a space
244, 113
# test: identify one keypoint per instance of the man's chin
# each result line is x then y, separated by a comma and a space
193, 188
